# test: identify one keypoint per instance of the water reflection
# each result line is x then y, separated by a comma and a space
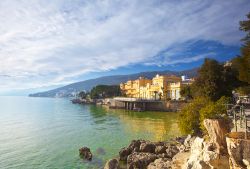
157, 125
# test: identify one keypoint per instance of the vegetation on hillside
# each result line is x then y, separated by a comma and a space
105, 91
83, 94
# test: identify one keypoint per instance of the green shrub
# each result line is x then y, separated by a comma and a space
189, 117
244, 90
214, 110
192, 115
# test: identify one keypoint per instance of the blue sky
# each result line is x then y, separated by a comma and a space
45, 44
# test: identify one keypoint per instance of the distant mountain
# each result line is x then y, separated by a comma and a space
87, 85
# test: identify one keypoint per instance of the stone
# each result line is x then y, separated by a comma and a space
85, 153
187, 141
239, 150
163, 155
147, 147
135, 144
140, 160
182, 148
112, 164
171, 151
160, 149
180, 140
124, 153
204, 156
180, 159
217, 130
161, 163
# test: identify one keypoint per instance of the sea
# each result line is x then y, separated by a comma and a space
40, 133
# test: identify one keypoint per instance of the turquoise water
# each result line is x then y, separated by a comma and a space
47, 132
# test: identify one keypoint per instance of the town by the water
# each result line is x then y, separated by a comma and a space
125, 84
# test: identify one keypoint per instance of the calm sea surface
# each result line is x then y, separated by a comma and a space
47, 133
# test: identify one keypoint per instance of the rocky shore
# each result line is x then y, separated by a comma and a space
218, 149
207, 152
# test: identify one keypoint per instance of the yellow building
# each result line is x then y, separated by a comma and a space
160, 87
132, 87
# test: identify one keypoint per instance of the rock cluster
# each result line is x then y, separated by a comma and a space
112, 164
204, 155
152, 155
85, 153
213, 151
238, 150
217, 130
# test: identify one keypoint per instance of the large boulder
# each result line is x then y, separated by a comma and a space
160, 149
135, 145
204, 156
112, 164
180, 159
239, 150
85, 153
171, 151
147, 147
124, 153
186, 146
139, 160
217, 130
161, 163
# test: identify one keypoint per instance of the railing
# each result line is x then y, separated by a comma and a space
239, 114
135, 99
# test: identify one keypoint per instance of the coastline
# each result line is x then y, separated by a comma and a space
135, 104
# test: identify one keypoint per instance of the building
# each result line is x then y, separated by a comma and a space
132, 87
160, 87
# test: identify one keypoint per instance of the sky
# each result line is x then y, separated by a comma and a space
46, 44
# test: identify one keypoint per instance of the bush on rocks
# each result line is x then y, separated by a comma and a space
192, 115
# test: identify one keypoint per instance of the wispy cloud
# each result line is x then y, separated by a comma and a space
50, 42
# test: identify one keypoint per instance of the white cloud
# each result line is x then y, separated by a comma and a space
50, 42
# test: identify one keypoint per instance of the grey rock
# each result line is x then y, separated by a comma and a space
161, 163
85, 153
135, 144
160, 149
139, 160
112, 164
171, 151
147, 147
124, 153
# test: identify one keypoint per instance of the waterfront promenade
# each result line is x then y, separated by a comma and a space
142, 104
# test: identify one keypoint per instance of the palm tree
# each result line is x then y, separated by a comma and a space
155, 92
160, 95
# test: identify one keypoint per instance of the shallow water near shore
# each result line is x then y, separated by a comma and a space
47, 132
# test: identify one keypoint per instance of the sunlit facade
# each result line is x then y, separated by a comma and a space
160, 87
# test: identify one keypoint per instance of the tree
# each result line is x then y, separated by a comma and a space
155, 93
244, 59
186, 92
160, 95
189, 117
230, 79
209, 82
83, 95
105, 91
